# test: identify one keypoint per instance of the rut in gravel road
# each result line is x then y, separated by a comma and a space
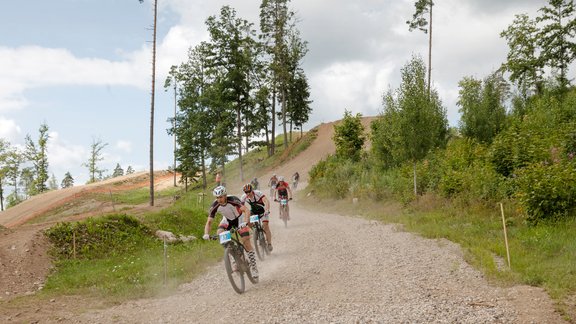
328, 268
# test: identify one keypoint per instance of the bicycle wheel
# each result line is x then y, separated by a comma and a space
233, 269
285, 215
260, 243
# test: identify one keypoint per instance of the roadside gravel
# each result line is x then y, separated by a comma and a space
328, 268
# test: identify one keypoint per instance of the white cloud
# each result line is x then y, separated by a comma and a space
9, 130
124, 146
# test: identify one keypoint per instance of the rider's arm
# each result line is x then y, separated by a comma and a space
246, 213
208, 225
266, 204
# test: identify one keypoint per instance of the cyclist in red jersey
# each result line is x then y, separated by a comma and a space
282, 190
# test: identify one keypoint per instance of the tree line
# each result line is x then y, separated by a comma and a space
516, 139
25, 170
235, 88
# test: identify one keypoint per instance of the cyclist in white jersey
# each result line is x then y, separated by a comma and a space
259, 205
231, 209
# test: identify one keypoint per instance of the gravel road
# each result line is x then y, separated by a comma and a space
328, 268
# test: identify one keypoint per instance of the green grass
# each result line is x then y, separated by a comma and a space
135, 275
125, 265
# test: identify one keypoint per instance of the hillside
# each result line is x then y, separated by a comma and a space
324, 268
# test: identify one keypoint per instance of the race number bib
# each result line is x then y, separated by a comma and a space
224, 237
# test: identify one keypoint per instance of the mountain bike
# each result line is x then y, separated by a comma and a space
260, 242
284, 210
235, 260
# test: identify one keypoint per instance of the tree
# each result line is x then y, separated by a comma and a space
349, 137
556, 38
129, 170
95, 157
37, 154
525, 68
482, 107
68, 181
283, 44
419, 22
52, 183
545, 42
152, 93
118, 171
8, 161
233, 51
12, 160
415, 120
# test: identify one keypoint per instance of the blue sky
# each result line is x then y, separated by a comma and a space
84, 66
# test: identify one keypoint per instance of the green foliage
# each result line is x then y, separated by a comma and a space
547, 191
98, 238
37, 154
482, 107
413, 121
117, 256
349, 137
332, 177
95, 156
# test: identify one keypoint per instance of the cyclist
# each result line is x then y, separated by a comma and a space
272, 184
231, 209
295, 179
259, 205
282, 190
254, 183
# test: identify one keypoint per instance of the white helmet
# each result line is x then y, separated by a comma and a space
280, 178
219, 191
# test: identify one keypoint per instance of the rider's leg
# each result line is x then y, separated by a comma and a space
245, 238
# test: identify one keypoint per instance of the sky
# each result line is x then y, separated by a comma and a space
84, 67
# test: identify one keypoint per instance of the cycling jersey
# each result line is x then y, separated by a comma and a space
256, 202
282, 187
230, 211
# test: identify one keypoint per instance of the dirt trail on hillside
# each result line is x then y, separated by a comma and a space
325, 268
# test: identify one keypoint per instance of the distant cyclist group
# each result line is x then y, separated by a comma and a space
239, 219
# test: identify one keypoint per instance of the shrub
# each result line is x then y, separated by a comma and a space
547, 191
97, 238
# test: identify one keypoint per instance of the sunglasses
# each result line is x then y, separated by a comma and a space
247, 192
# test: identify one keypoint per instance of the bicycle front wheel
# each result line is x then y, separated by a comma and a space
285, 215
234, 271
260, 243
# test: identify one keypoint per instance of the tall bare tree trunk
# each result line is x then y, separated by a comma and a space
273, 135
152, 106
430, 51
239, 134
284, 118
174, 125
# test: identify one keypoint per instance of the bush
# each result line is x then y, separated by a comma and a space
547, 191
97, 238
